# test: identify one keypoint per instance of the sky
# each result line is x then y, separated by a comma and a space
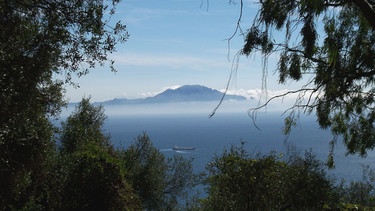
174, 43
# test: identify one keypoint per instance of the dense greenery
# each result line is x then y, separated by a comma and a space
159, 181
77, 168
94, 179
93, 175
89, 173
37, 40
238, 181
332, 44
82, 127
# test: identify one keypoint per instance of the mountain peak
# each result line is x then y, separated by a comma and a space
192, 93
186, 93
187, 90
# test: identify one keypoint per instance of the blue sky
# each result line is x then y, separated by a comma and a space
174, 43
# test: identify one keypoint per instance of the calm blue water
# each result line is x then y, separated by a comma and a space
211, 136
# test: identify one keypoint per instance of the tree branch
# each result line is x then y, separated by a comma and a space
368, 10
238, 27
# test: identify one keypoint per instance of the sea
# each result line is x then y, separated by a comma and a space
189, 125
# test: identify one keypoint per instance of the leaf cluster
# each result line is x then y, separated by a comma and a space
95, 175
39, 39
92, 176
161, 182
337, 58
238, 181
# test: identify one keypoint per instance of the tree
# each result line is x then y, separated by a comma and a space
84, 126
92, 175
159, 181
39, 39
146, 167
95, 180
238, 181
338, 61
360, 192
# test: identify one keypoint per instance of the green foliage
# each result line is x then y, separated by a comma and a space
339, 59
238, 181
159, 181
146, 167
83, 126
95, 180
360, 192
37, 40
26, 148
92, 175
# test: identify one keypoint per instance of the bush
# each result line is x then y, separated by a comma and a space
238, 181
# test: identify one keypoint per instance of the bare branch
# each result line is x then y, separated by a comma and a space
302, 92
238, 28
232, 74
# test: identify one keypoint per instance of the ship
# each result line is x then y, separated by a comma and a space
177, 148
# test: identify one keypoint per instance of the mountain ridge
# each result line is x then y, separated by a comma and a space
186, 93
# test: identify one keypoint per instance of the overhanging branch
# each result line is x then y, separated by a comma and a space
367, 8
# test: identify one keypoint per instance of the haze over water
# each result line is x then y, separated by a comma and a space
187, 124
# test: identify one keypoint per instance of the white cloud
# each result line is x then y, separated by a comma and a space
150, 94
279, 104
263, 95
171, 87
255, 93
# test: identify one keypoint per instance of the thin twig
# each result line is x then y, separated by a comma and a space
238, 27
232, 74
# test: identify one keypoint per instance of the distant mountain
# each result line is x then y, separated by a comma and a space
187, 93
